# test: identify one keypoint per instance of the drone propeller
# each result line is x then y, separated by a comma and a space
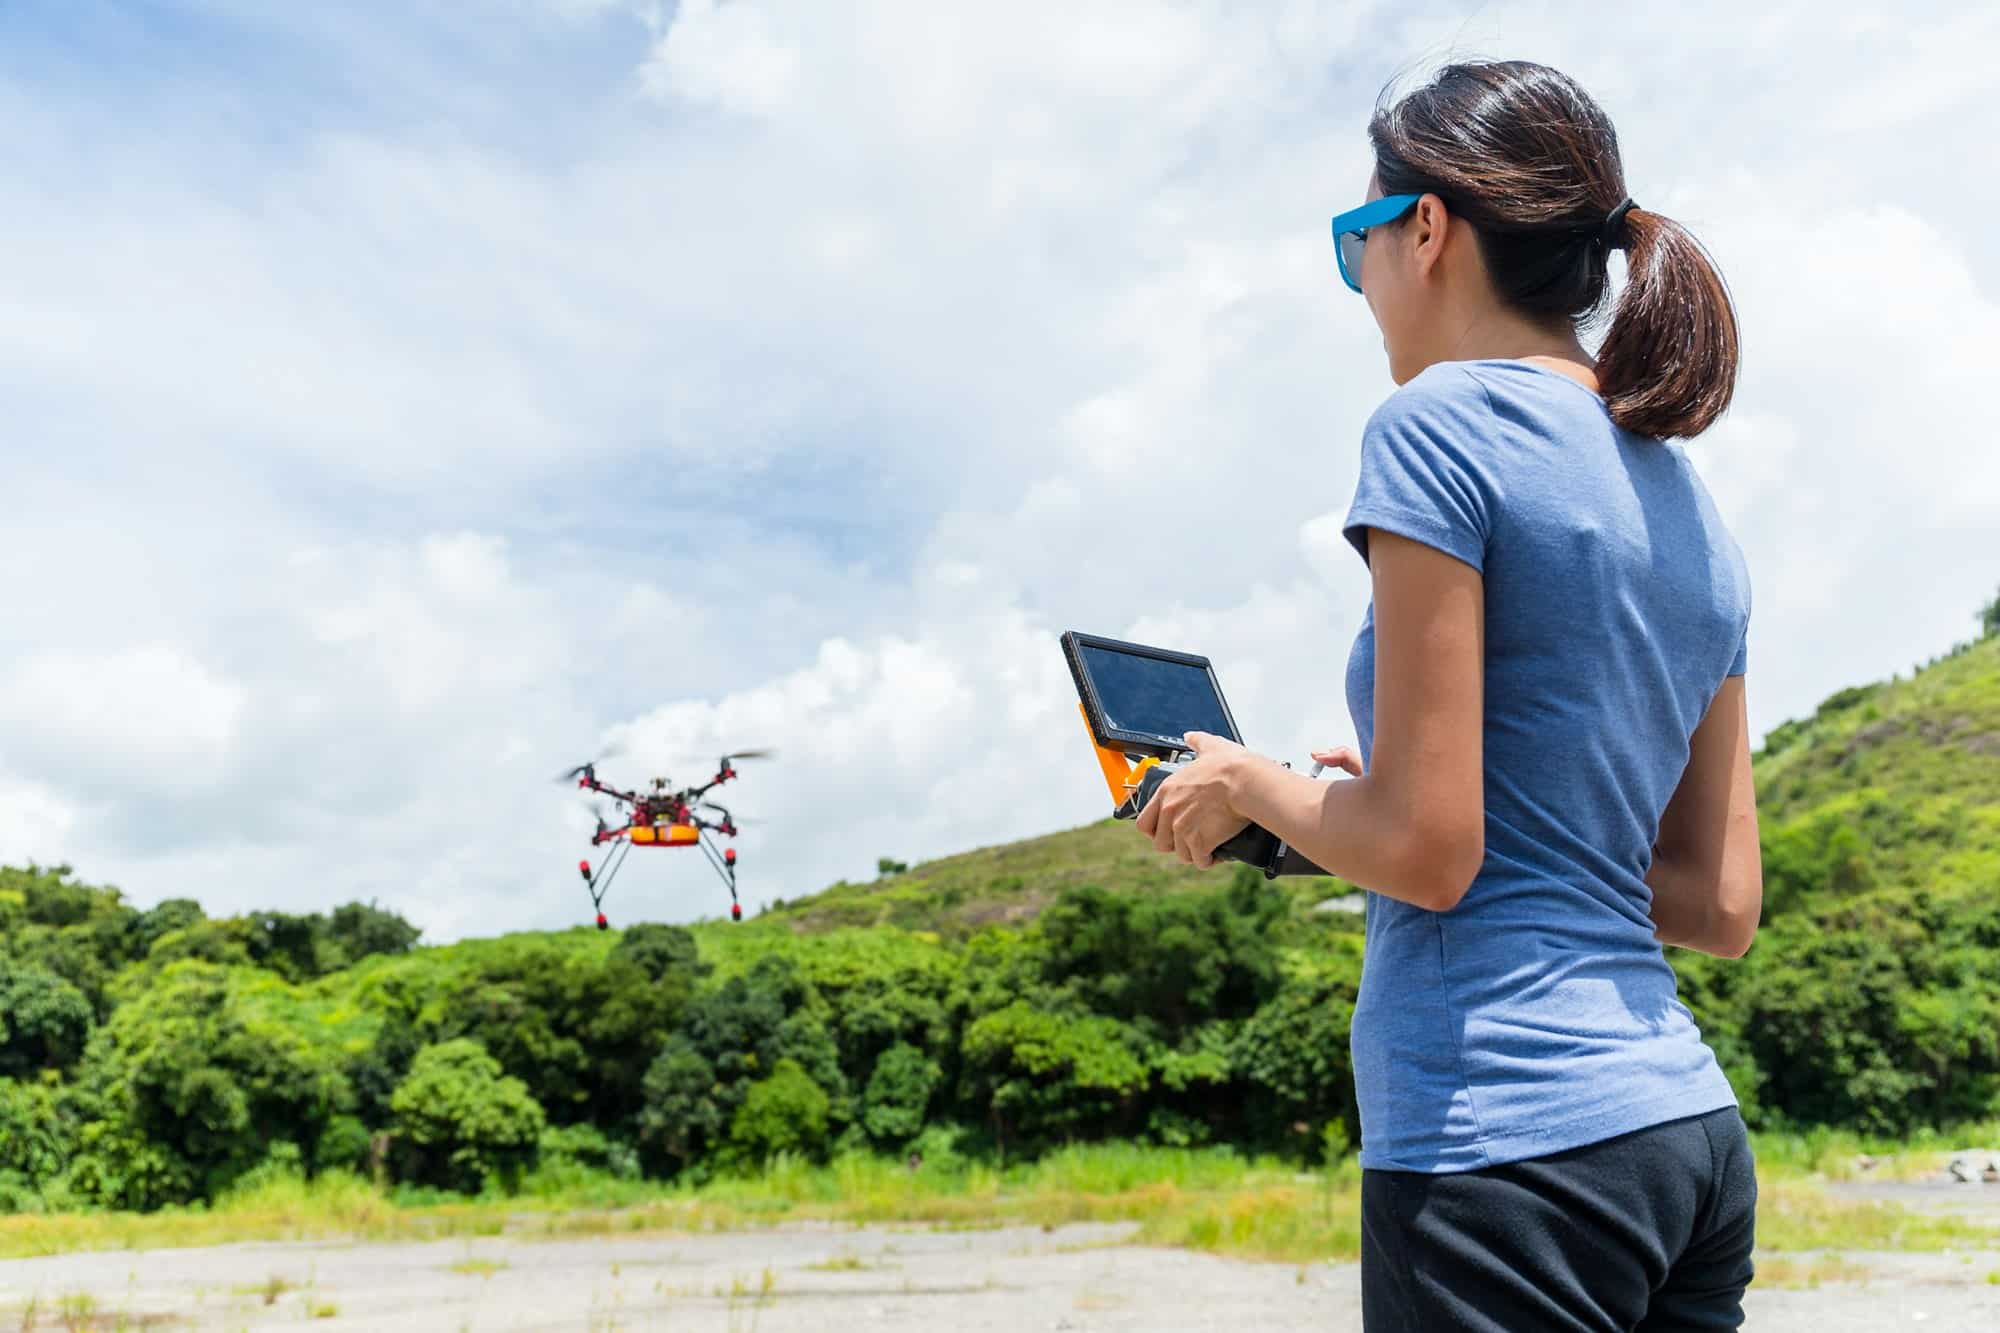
571, 775
728, 756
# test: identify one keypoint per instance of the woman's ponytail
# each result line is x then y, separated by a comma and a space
1521, 152
1668, 364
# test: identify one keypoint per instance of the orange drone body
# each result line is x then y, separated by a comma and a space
664, 835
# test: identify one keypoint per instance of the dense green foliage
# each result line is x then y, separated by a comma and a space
992, 1005
461, 1119
162, 1057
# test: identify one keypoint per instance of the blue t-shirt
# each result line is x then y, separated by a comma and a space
1540, 1013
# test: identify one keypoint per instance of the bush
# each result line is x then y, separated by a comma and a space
345, 1146
572, 1150
37, 1135
44, 1020
785, 1113
462, 1120
1293, 1053
686, 1105
1047, 1075
898, 1094
191, 1080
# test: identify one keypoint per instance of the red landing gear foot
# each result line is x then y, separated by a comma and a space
736, 911
729, 855
583, 868
602, 924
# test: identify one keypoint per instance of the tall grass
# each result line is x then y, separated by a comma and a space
1840, 1154
1206, 1199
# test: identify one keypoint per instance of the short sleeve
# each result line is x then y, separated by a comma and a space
1421, 472
1741, 666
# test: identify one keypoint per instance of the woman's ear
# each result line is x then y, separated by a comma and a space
1429, 226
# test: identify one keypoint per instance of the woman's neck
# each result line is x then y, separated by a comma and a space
1494, 336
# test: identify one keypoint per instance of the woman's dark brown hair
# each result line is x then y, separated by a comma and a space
1523, 154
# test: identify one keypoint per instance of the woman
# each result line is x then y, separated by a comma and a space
1553, 777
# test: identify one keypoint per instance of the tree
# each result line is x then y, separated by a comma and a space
786, 1112
1293, 1052
1989, 618
295, 947
686, 1106
189, 1084
171, 914
660, 950
362, 930
899, 1092
1045, 1075
51, 897
886, 866
579, 1035
464, 1118
1170, 963
37, 1138
44, 1020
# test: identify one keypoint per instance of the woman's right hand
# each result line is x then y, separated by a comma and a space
1340, 756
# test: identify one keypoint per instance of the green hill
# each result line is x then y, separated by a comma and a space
1066, 988
1008, 885
1890, 786
1872, 995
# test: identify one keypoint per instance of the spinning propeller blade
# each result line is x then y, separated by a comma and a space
609, 752
754, 752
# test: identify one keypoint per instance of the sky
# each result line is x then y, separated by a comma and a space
404, 402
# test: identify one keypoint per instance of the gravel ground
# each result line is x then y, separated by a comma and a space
814, 1279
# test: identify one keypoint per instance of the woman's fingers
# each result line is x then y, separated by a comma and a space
1340, 756
1163, 836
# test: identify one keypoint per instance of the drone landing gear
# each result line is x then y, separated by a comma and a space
724, 861
600, 882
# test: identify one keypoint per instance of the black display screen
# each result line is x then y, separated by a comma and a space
1140, 695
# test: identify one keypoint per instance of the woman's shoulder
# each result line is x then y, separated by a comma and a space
1443, 386
1442, 407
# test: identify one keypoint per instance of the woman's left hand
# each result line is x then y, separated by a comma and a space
1192, 813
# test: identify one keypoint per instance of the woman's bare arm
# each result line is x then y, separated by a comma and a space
1707, 875
1414, 826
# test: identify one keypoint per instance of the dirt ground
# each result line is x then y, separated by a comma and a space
815, 1279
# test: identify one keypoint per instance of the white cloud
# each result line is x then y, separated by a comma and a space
721, 54
792, 373
168, 719
35, 826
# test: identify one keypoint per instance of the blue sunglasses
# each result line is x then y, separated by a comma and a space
1350, 230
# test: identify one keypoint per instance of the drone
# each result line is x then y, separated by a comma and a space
662, 817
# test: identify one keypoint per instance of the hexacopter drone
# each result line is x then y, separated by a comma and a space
663, 817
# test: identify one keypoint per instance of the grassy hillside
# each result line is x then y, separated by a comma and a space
1008, 885
1893, 786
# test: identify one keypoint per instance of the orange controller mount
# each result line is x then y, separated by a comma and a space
1132, 784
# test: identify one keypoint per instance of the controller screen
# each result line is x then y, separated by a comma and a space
1153, 696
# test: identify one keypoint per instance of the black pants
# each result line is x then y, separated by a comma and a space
1650, 1231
